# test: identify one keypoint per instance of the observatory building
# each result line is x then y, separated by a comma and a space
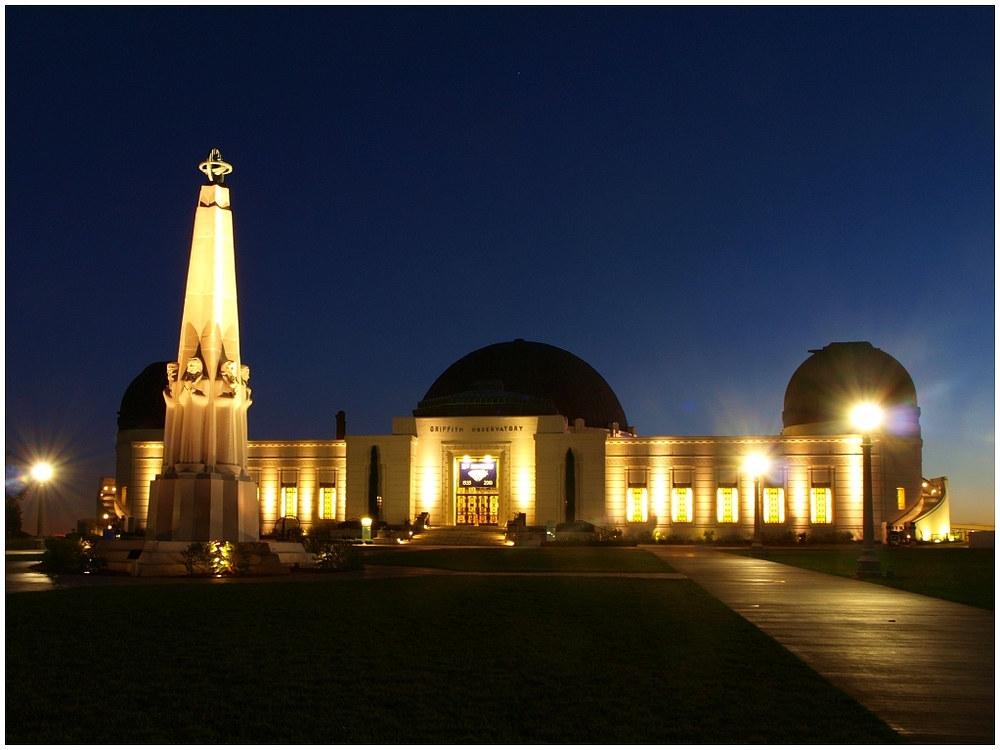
494, 435
523, 427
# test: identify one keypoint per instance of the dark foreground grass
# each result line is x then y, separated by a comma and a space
527, 559
436, 659
957, 574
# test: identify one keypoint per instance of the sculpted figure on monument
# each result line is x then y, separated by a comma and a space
193, 401
226, 406
174, 418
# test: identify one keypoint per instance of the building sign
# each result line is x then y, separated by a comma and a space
477, 473
477, 428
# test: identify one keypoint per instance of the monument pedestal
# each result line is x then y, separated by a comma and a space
203, 507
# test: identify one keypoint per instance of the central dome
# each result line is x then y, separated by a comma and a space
523, 377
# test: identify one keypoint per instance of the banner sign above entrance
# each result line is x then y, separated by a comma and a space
477, 473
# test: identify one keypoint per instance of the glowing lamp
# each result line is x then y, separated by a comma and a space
41, 472
756, 465
866, 417
366, 521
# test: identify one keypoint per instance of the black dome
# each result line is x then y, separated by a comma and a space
143, 407
827, 385
533, 377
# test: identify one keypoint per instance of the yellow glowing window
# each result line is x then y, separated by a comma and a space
681, 510
728, 504
290, 501
820, 505
637, 505
774, 505
901, 498
326, 502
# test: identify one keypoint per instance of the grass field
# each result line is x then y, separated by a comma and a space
957, 574
436, 659
526, 559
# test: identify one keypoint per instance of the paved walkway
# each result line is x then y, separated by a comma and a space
924, 665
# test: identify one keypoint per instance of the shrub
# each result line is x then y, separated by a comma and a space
338, 555
233, 558
830, 537
197, 558
70, 556
678, 539
733, 540
779, 538
579, 527
709, 536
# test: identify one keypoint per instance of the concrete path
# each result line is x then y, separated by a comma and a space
924, 665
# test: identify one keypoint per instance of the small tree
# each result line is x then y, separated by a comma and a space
570, 486
373, 485
12, 508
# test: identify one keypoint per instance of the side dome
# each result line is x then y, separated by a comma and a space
824, 389
520, 378
143, 407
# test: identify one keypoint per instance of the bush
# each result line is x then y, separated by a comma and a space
233, 558
197, 558
64, 555
579, 527
779, 538
338, 555
830, 537
678, 539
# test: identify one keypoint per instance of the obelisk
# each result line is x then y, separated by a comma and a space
204, 492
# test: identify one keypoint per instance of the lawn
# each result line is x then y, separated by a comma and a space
526, 559
437, 659
956, 573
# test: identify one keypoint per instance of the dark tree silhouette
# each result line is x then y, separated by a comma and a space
570, 486
373, 485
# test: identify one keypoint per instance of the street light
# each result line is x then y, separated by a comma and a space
867, 417
41, 473
756, 466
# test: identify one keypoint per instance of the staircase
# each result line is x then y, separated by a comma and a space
460, 536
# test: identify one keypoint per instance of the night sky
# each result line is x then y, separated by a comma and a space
688, 199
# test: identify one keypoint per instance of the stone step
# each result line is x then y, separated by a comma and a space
461, 536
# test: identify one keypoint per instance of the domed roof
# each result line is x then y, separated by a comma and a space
840, 375
143, 407
520, 378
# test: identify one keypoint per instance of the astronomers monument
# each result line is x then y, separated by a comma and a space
204, 491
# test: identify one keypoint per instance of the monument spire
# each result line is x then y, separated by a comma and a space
207, 393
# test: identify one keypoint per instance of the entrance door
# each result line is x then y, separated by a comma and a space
477, 506
477, 492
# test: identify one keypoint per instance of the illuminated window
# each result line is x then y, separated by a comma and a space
637, 505
681, 510
774, 505
727, 499
901, 498
290, 500
326, 501
821, 505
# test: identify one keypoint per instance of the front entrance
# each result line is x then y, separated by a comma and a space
475, 509
477, 492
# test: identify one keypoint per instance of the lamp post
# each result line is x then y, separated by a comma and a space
41, 473
867, 417
756, 466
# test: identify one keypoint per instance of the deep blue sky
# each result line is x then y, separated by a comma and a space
689, 199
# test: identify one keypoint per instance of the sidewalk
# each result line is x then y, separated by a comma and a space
923, 665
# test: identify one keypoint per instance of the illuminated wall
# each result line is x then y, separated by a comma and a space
666, 474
